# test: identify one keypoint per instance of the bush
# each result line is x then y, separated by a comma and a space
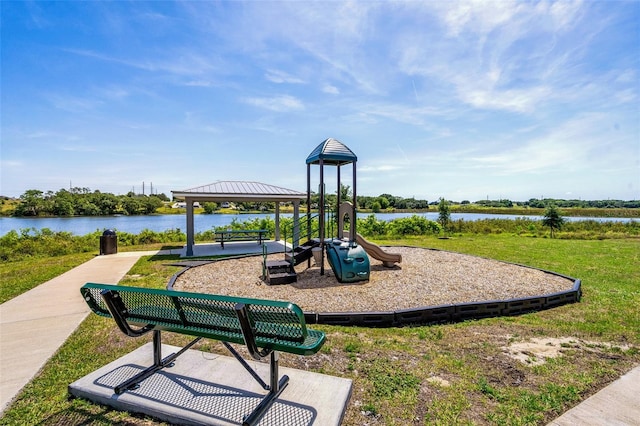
414, 225
31, 242
372, 227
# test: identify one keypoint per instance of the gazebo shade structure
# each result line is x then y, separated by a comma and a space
238, 191
334, 153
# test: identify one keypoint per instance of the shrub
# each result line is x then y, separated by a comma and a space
413, 225
371, 227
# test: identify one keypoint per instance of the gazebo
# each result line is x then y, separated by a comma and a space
240, 191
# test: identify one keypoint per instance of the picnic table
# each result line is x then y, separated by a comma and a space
240, 235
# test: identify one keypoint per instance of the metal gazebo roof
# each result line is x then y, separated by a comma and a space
240, 191
333, 152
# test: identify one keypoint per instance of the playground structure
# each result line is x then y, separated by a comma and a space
346, 251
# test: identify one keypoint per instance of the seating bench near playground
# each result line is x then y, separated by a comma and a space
240, 235
265, 327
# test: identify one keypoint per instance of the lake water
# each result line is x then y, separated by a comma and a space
203, 222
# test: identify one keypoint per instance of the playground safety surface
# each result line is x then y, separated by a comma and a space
428, 286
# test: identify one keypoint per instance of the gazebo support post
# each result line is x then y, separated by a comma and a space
338, 201
296, 223
277, 220
309, 209
321, 215
190, 227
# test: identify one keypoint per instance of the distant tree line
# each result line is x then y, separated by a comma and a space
388, 201
375, 204
84, 202
543, 203
599, 204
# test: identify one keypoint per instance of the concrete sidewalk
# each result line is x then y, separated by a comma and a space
35, 324
617, 404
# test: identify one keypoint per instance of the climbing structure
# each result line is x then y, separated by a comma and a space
347, 251
348, 260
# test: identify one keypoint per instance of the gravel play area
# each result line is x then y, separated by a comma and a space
424, 278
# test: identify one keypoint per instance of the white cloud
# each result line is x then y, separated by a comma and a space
12, 164
332, 90
379, 168
72, 103
480, 17
517, 100
282, 103
175, 60
500, 55
626, 76
569, 147
277, 76
113, 92
198, 83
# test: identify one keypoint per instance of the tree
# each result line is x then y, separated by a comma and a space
384, 202
150, 204
130, 205
162, 197
32, 203
553, 219
444, 215
107, 203
210, 207
345, 193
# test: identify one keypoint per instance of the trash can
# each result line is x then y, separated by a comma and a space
108, 242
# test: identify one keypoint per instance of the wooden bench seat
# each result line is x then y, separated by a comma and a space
265, 327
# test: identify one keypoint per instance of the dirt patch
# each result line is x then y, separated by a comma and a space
536, 351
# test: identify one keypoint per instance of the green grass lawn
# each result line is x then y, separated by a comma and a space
439, 374
20, 276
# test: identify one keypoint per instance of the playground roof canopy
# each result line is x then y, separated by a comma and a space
240, 191
332, 151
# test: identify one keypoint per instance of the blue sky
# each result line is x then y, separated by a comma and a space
463, 100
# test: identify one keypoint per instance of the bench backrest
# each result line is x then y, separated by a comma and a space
276, 325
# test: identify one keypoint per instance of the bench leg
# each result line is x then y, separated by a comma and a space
277, 386
158, 364
246, 366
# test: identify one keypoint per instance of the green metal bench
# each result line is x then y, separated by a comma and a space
264, 327
241, 235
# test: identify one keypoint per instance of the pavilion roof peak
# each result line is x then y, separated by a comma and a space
332, 151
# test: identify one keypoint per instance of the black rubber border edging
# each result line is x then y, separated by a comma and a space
437, 314
450, 313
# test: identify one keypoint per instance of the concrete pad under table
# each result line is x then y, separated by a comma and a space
209, 389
